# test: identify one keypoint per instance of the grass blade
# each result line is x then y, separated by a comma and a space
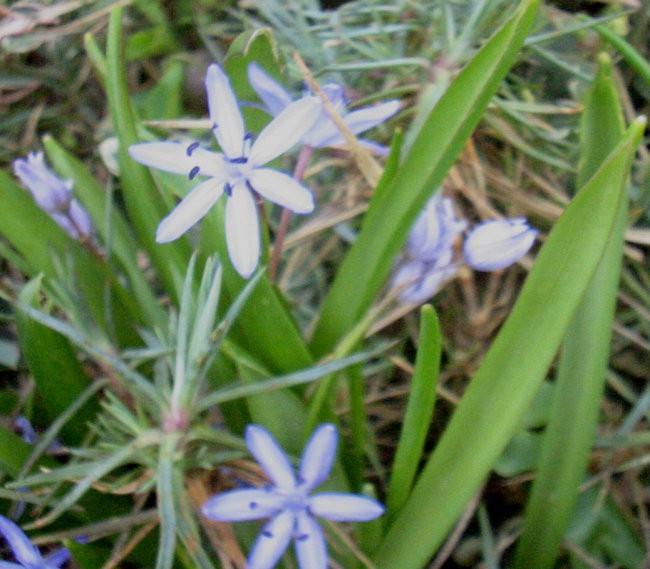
583, 363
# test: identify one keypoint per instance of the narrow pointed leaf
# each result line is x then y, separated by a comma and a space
583, 364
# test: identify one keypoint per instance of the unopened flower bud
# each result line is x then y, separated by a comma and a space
497, 244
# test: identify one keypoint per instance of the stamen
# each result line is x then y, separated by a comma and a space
252, 505
267, 533
228, 189
302, 537
192, 147
240, 160
194, 171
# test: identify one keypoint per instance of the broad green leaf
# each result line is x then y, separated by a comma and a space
53, 363
515, 366
393, 211
583, 363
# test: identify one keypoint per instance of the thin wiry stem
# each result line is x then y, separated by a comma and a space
298, 174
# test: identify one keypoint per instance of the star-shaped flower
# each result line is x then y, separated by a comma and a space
28, 556
288, 501
54, 195
237, 172
323, 132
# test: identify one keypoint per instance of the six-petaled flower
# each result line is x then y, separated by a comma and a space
289, 502
237, 171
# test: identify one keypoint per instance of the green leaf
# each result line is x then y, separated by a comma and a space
418, 412
145, 205
53, 363
583, 362
110, 225
393, 211
514, 368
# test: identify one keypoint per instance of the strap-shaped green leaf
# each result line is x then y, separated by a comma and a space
514, 367
583, 363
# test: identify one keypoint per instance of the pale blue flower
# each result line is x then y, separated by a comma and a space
324, 131
237, 171
27, 555
288, 501
497, 244
429, 257
54, 195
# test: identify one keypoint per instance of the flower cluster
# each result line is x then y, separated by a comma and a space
428, 260
28, 556
238, 170
54, 196
288, 501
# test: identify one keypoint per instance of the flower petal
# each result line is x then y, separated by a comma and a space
178, 158
364, 119
242, 230
193, 207
58, 557
357, 121
497, 244
271, 457
274, 95
228, 125
340, 507
285, 130
318, 456
281, 189
237, 505
80, 218
26, 554
272, 541
311, 548
50, 192
8, 565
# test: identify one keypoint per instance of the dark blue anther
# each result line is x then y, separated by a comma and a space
240, 160
192, 147
252, 505
194, 171
302, 537
267, 533
228, 189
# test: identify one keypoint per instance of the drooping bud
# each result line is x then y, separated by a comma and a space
497, 244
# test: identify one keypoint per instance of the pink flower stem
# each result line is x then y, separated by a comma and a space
298, 174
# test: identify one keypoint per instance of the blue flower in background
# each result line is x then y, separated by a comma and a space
428, 260
497, 244
237, 171
28, 556
54, 195
324, 131
288, 501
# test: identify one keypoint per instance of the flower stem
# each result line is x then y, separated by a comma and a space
298, 174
